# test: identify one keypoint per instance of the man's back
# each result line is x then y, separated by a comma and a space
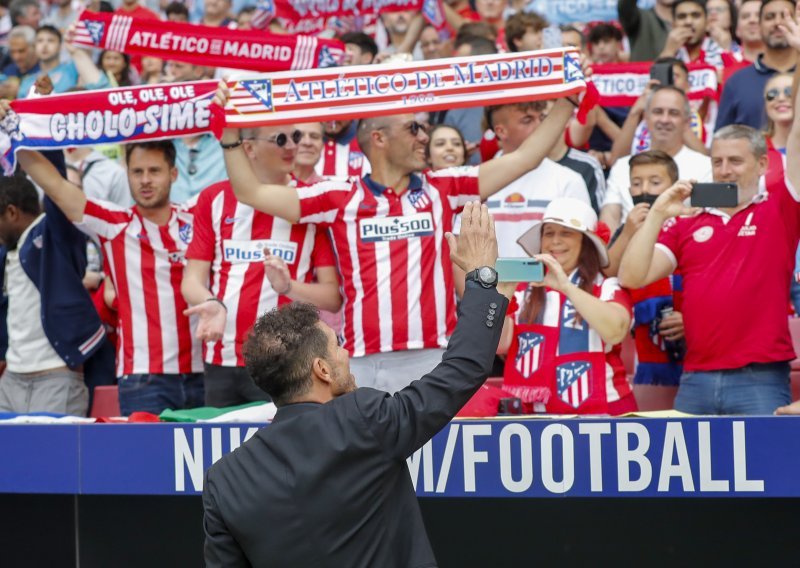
327, 484
310, 506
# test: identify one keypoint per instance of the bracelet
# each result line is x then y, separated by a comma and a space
288, 289
232, 145
217, 300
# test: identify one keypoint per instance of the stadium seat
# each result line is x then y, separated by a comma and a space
106, 402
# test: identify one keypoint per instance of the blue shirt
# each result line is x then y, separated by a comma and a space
742, 99
198, 167
64, 77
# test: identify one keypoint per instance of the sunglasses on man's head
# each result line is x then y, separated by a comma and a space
280, 140
773, 93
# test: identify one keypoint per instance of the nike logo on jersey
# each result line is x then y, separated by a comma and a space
232, 220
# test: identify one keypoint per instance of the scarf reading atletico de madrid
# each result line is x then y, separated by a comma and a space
205, 45
151, 112
315, 16
620, 84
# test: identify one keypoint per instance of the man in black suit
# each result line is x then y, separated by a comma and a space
326, 484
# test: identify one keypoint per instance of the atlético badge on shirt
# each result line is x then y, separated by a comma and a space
702, 234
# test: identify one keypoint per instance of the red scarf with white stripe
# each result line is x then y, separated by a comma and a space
151, 112
620, 84
251, 50
312, 17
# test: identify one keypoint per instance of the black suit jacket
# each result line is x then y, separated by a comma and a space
327, 484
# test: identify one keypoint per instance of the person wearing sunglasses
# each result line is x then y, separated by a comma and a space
242, 263
388, 231
736, 265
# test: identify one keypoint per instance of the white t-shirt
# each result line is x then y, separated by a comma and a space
523, 201
691, 165
29, 350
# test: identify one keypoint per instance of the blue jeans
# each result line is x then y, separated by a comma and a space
758, 388
156, 393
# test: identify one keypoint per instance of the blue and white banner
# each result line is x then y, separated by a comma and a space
602, 457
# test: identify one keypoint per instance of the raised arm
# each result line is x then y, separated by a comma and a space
495, 174
643, 263
69, 198
276, 200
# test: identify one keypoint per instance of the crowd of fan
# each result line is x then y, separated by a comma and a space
182, 244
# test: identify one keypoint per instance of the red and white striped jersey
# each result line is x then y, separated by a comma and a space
342, 159
145, 262
392, 256
232, 237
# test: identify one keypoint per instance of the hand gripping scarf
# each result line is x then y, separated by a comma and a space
152, 112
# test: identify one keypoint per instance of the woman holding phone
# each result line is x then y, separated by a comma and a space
562, 335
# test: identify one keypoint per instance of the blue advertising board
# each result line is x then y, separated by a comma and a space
603, 457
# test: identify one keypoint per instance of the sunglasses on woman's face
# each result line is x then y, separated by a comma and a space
773, 93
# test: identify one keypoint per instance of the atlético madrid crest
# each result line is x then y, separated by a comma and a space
573, 382
261, 89
529, 354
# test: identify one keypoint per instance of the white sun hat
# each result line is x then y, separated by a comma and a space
567, 212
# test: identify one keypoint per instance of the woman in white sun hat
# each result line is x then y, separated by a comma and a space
563, 335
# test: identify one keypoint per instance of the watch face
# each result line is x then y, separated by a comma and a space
486, 274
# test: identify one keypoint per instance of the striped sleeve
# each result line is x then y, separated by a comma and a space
320, 203
459, 184
203, 239
104, 219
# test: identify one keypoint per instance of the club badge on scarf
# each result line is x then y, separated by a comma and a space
313, 17
152, 112
620, 84
250, 50
373, 90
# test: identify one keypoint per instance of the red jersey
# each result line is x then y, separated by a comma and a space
392, 256
342, 159
736, 275
146, 262
232, 237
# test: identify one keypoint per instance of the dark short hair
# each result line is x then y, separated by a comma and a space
281, 349
17, 190
701, 3
571, 28
765, 2
489, 111
478, 45
474, 29
166, 147
655, 157
17, 9
177, 8
603, 31
52, 30
364, 42
518, 24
